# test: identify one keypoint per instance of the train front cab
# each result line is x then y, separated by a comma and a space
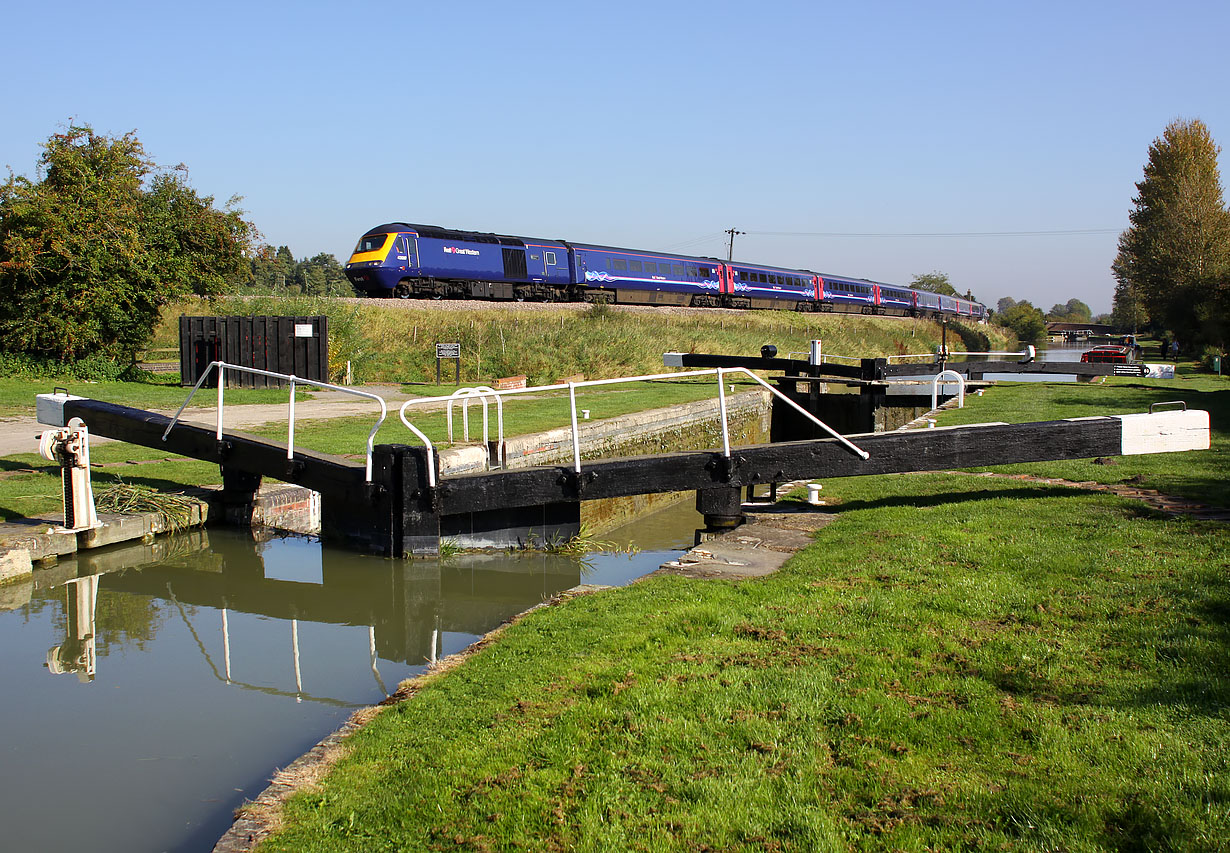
382, 258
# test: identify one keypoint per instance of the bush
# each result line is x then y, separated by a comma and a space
94, 368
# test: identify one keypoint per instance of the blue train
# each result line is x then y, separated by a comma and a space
403, 260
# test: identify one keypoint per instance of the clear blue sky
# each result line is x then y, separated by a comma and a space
652, 125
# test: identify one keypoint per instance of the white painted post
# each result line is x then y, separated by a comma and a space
290, 430
221, 385
722, 410
576, 434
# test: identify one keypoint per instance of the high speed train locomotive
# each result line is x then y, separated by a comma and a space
403, 260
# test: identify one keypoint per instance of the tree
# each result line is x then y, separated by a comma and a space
1025, 321
322, 275
1004, 304
936, 282
91, 251
1173, 263
1074, 311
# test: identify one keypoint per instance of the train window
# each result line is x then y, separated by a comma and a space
705, 272
371, 243
634, 266
651, 267
677, 270
762, 278
550, 259
620, 265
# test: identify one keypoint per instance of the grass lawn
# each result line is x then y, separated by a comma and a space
161, 392
957, 663
1205, 477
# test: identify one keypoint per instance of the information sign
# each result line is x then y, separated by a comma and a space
450, 350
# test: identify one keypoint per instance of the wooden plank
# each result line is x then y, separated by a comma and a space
700, 361
1165, 432
1032, 367
897, 452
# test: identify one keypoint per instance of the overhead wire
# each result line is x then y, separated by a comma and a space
1063, 232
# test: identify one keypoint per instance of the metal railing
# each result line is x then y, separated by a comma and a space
720, 372
482, 392
935, 388
223, 366
1030, 353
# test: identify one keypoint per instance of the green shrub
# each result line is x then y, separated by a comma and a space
94, 368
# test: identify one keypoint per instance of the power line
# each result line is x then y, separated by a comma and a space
1065, 232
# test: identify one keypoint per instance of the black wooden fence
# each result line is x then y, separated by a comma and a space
292, 345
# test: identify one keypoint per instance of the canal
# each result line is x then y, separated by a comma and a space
149, 690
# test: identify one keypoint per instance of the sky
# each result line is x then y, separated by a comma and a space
998, 143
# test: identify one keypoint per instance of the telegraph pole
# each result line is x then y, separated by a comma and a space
730, 253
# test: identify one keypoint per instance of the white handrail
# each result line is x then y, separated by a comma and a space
935, 388
571, 387
222, 367
1029, 352
479, 391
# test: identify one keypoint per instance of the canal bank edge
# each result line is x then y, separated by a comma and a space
773, 533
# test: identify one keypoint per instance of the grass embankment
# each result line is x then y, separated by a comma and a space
959, 663
395, 341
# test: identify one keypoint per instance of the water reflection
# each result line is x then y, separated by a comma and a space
205, 660
405, 608
78, 651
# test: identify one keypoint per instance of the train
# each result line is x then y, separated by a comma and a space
406, 261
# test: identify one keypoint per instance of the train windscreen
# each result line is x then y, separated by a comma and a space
370, 243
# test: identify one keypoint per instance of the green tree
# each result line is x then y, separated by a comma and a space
322, 275
92, 250
1175, 256
1128, 312
1004, 304
1073, 311
936, 282
1025, 321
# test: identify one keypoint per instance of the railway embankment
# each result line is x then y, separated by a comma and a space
949, 654
393, 340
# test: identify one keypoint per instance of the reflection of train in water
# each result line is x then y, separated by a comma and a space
402, 260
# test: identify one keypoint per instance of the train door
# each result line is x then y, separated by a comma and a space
875, 295
536, 263
819, 282
726, 279
406, 252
